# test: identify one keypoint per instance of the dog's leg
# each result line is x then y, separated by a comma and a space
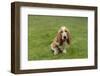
55, 50
59, 49
64, 49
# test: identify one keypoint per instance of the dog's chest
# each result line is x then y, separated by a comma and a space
62, 47
63, 44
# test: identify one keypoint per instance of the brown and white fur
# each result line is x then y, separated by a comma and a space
60, 42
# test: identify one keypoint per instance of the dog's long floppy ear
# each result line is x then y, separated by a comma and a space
59, 36
69, 37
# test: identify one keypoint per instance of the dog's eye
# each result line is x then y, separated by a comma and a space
61, 32
65, 31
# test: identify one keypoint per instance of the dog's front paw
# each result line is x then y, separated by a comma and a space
64, 51
55, 52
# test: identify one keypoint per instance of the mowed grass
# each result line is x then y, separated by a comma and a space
43, 29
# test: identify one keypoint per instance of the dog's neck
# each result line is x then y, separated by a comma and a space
61, 42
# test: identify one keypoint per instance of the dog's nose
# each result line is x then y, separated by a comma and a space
64, 37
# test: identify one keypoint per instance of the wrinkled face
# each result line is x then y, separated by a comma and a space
63, 32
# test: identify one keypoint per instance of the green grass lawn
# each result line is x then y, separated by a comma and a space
43, 29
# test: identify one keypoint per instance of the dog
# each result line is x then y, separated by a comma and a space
60, 42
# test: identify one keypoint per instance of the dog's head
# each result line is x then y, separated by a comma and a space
64, 34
